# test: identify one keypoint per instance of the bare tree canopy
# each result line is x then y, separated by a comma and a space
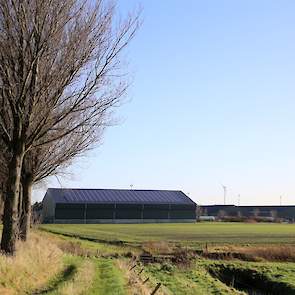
61, 74
51, 159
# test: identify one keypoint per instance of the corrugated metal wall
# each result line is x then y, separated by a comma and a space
124, 211
69, 211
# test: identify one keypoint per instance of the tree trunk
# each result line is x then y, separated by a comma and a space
20, 203
10, 217
1, 205
25, 220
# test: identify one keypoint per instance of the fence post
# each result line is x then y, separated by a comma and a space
156, 289
132, 267
146, 280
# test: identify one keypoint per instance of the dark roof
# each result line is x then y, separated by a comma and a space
249, 206
118, 196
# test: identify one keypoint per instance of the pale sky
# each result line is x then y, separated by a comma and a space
212, 102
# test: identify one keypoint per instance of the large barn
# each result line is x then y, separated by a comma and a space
116, 206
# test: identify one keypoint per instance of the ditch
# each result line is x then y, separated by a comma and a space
249, 281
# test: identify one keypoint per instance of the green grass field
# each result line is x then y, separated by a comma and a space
91, 263
194, 233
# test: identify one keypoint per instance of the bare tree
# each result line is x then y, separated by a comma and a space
60, 73
1, 204
50, 160
4, 159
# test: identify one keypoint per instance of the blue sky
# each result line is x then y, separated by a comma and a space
212, 103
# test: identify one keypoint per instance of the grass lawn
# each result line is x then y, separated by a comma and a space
194, 233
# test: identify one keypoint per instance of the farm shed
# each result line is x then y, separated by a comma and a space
116, 206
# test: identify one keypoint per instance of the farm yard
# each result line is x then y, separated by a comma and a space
202, 258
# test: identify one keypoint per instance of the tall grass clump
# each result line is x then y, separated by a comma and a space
281, 253
35, 263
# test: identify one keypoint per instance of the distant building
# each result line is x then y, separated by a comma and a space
206, 218
116, 206
267, 212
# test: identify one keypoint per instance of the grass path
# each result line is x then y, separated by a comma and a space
81, 276
109, 280
56, 284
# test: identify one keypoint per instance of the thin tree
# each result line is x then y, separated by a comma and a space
60, 72
45, 161
50, 160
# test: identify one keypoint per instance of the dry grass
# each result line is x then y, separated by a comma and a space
76, 249
73, 247
135, 281
279, 253
36, 262
272, 253
83, 248
81, 281
158, 247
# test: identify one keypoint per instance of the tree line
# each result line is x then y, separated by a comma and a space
62, 74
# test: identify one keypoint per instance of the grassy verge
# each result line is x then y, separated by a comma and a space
187, 281
46, 265
177, 279
35, 263
77, 245
231, 277
54, 264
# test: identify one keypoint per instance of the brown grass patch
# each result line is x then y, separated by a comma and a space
135, 279
279, 253
35, 263
157, 247
272, 253
75, 248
